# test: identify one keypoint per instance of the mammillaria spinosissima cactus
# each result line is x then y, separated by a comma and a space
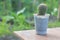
42, 9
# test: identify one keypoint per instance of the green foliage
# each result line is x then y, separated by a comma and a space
51, 5
5, 7
4, 28
1, 8
54, 24
26, 1
20, 23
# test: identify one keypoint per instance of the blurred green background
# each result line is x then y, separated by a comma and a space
18, 14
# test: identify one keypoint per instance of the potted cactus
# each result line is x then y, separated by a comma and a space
41, 20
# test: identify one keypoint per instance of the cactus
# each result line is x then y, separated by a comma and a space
42, 9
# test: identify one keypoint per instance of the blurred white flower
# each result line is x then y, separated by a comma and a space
55, 9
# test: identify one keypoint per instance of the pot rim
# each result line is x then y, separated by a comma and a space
42, 16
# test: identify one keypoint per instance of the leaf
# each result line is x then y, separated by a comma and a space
21, 11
